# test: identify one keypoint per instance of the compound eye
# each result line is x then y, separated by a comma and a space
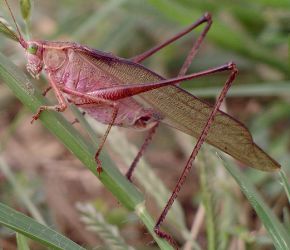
32, 48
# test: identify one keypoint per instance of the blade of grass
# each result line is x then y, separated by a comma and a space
285, 184
255, 89
20, 192
279, 235
7, 30
34, 230
208, 202
21, 242
286, 217
276, 3
289, 51
111, 177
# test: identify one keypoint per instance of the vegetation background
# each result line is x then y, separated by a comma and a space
41, 178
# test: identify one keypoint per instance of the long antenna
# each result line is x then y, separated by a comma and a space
20, 38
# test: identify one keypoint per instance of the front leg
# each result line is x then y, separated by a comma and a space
60, 107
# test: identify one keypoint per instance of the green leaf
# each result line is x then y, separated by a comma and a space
286, 184
7, 30
276, 230
21, 242
34, 230
255, 89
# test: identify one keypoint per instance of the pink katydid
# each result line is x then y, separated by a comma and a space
105, 86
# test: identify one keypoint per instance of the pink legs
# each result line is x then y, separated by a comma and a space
46, 90
204, 133
60, 107
62, 104
141, 151
104, 138
118, 92
87, 99
90, 99
109, 95
206, 18
201, 139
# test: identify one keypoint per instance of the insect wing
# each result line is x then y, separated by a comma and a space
187, 113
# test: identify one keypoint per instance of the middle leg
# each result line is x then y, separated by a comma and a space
86, 99
146, 142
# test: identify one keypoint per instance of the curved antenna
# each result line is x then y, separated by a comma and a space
20, 38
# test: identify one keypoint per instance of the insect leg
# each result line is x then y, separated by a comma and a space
197, 147
60, 107
146, 142
90, 99
126, 90
205, 18
104, 138
46, 90
196, 45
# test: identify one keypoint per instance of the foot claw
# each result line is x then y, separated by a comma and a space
99, 167
100, 170
34, 118
167, 237
129, 177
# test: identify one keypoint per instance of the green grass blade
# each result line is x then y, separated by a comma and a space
111, 177
208, 203
34, 230
275, 3
289, 51
255, 89
21, 242
6, 29
285, 183
20, 192
279, 235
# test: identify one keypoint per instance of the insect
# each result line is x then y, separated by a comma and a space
122, 92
